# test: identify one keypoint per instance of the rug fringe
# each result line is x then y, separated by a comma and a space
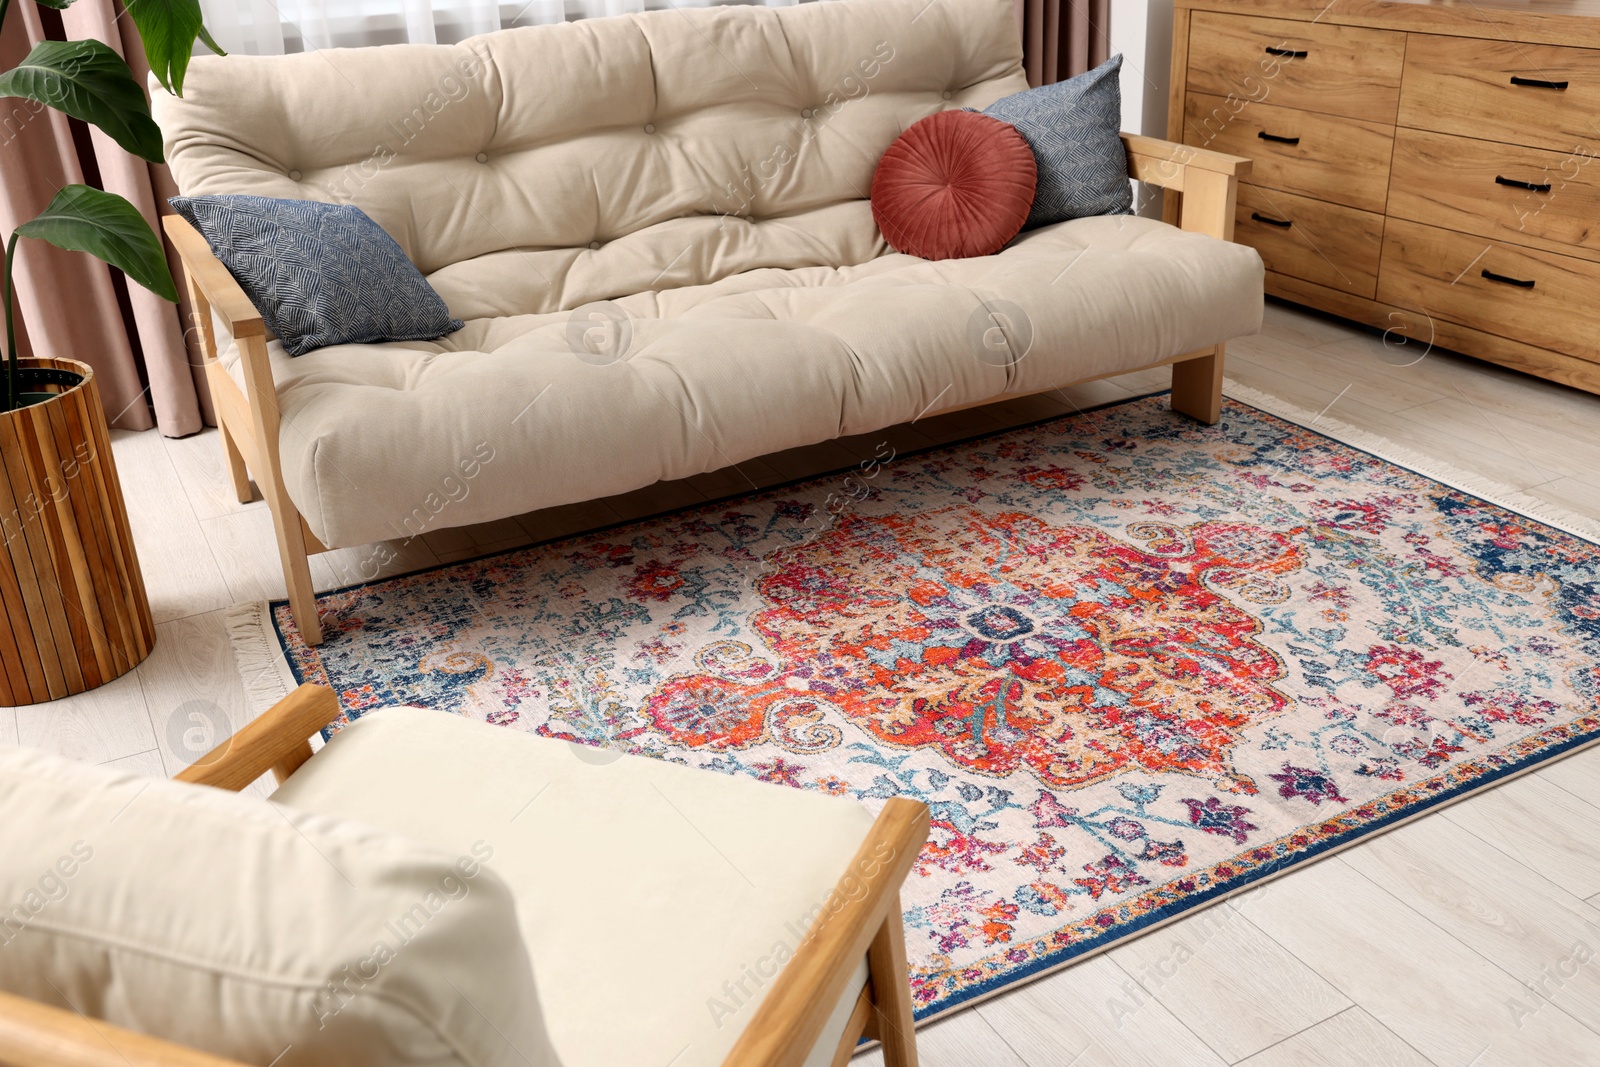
266, 674
1439, 470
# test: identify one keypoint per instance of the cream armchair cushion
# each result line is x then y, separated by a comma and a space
257, 932
657, 901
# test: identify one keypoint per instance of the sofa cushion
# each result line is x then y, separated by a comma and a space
955, 184
657, 901
515, 412
549, 150
1073, 127
320, 274
256, 932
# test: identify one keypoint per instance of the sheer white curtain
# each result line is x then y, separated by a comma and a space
268, 27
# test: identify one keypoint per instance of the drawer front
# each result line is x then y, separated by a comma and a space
1342, 160
1529, 196
1339, 70
1323, 243
1442, 273
1464, 85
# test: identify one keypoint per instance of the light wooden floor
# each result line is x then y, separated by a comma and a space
1470, 937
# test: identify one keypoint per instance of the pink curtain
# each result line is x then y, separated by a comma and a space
1061, 38
70, 304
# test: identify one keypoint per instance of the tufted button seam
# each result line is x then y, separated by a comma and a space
649, 127
945, 95
294, 175
482, 157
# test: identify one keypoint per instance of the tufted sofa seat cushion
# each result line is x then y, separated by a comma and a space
711, 375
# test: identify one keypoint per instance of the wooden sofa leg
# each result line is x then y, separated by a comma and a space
891, 992
1197, 387
238, 473
296, 567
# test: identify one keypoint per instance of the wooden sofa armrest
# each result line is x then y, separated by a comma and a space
277, 741
206, 273
38, 1035
860, 917
1207, 182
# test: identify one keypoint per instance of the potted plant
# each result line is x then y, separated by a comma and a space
73, 610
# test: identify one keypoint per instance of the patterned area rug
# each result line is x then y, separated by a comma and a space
1132, 664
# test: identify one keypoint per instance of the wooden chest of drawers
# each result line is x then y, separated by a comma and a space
1422, 166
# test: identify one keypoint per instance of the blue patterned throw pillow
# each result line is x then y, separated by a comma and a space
320, 274
1073, 128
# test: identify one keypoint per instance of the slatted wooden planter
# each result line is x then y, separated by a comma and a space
75, 612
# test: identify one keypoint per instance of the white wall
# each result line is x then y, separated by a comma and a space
1142, 31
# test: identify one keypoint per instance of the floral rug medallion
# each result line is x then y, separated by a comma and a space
1130, 663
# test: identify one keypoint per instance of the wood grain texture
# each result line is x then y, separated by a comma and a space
220, 289
1341, 160
38, 1035
1350, 1039
892, 1011
275, 741
1463, 86
1228, 982
1432, 991
76, 613
103, 724
1461, 123
1091, 1013
1437, 332
1344, 70
1543, 21
1513, 917
1324, 243
1442, 273
1445, 180
962, 1040
1579, 773
790, 1017
193, 691
1539, 824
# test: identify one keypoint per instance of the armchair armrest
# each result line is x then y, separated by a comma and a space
277, 741
861, 914
207, 274
37, 1035
1207, 181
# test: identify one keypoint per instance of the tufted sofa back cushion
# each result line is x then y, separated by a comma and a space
535, 169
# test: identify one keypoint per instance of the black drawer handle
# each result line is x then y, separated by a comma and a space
1533, 186
1538, 83
1265, 136
1289, 53
1520, 283
1283, 223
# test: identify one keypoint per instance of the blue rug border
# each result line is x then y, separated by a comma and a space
1166, 913
1195, 902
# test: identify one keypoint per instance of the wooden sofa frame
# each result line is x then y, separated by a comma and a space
862, 919
1205, 183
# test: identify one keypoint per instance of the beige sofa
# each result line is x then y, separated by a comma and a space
658, 232
427, 891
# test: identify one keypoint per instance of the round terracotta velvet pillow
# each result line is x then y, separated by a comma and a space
956, 184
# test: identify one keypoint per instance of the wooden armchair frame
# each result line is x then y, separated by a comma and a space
249, 420
861, 917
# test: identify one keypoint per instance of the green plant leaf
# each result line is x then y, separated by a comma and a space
81, 219
210, 42
168, 29
59, 5
88, 81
